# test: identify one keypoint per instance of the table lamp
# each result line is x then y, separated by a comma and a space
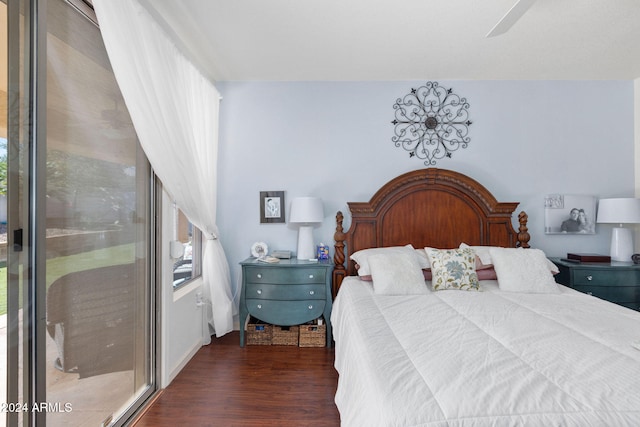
620, 211
306, 211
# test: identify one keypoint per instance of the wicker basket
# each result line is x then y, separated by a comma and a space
259, 334
313, 335
284, 335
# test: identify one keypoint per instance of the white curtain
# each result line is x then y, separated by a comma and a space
174, 109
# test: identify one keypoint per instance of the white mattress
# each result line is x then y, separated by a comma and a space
491, 358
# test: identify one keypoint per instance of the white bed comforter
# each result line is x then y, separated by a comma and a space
491, 358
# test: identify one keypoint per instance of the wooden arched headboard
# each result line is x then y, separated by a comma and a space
427, 207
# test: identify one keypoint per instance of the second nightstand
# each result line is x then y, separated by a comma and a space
290, 292
617, 282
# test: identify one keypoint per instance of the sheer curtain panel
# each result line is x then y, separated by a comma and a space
174, 109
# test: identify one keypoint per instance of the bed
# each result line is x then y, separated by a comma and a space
508, 347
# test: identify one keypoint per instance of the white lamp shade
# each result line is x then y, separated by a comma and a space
306, 210
619, 211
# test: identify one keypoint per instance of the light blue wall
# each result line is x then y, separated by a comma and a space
333, 140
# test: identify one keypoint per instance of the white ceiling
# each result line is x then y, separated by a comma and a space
303, 40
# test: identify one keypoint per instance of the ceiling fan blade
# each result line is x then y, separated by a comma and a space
511, 17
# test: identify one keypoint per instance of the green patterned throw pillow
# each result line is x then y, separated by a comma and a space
453, 269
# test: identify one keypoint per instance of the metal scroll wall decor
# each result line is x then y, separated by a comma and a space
431, 122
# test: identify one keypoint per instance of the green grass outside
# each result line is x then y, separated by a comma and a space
58, 267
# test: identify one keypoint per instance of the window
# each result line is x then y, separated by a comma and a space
188, 265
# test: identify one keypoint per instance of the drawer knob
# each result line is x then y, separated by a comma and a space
259, 291
259, 306
589, 278
312, 292
311, 276
310, 307
259, 276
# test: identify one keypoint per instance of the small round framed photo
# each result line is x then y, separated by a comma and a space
259, 250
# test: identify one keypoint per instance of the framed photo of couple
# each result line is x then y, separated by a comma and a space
569, 214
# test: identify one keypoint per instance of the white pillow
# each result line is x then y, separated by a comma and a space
484, 254
396, 274
362, 257
424, 259
523, 270
453, 269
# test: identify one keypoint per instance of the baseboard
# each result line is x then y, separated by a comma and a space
183, 362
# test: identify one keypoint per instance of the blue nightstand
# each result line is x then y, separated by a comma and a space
618, 282
290, 292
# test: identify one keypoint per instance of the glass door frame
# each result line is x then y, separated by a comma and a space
26, 217
26, 214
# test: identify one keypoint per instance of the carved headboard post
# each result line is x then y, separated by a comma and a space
339, 272
523, 231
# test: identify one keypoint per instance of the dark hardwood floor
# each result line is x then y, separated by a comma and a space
226, 385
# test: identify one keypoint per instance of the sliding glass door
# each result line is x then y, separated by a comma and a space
80, 310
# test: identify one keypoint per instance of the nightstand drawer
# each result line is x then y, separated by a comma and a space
289, 292
285, 313
619, 294
284, 275
593, 277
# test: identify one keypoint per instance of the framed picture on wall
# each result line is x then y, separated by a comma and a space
271, 206
569, 214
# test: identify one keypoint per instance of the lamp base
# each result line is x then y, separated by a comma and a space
621, 244
306, 249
